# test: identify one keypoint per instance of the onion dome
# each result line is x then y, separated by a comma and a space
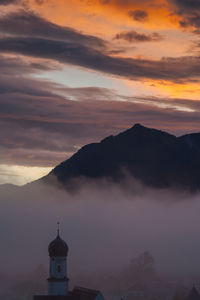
58, 247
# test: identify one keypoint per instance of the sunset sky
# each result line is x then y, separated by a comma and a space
75, 71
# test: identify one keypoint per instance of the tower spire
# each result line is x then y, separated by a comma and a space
58, 228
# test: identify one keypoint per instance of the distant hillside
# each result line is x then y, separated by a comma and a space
155, 157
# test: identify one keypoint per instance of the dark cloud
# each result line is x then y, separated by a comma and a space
193, 20
173, 69
42, 128
17, 65
26, 23
103, 2
33, 36
189, 11
184, 4
134, 36
7, 2
39, 2
187, 4
138, 15
126, 3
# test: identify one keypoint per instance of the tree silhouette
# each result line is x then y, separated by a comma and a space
140, 271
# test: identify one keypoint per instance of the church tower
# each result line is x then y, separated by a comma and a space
58, 281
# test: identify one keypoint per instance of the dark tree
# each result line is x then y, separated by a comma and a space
141, 271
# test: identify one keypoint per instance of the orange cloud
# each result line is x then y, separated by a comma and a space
106, 17
185, 90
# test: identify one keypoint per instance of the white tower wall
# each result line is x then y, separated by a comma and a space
58, 281
58, 267
57, 288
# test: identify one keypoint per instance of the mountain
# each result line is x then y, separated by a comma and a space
156, 158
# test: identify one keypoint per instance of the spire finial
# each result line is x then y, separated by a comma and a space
58, 229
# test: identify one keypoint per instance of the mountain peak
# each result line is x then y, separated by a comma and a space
134, 129
138, 126
141, 128
139, 133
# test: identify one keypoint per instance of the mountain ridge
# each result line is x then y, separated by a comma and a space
154, 157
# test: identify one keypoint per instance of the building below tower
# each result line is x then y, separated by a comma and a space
58, 280
78, 293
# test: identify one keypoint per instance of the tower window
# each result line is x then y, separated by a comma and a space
59, 269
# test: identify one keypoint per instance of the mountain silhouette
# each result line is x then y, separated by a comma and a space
154, 157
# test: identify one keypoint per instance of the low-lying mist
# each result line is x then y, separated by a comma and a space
105, 226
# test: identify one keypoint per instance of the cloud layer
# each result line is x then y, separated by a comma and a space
65, 45
7, 2
134, 36
45, 123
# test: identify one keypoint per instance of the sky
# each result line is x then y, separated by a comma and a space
73, 72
